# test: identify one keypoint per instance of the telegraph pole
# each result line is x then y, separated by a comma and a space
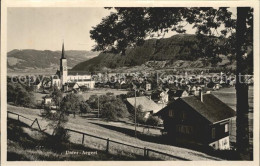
135, 112
98, 106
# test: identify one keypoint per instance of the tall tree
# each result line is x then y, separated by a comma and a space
71, 103
241, 86
129, 27
57, 96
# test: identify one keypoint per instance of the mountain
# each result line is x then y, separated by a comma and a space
46, 60
176, 51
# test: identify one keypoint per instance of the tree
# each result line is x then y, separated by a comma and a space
84, 107
243, 16
93, 101
57, 96
56, 121
153, 120
129, 27
17, 94
71, 103
111, 107
140, 115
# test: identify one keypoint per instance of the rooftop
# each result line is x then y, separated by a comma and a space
145, 102
212, 108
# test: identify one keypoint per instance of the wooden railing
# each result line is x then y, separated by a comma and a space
145, 149
21, 116
108, 141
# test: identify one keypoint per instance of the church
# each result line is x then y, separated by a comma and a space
62, 79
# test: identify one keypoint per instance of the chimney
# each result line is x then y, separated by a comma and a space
201, 95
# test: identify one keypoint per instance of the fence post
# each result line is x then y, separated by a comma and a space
147, 152
33, 122
83, 139
144, 151
107, 145
38, 124
18, 118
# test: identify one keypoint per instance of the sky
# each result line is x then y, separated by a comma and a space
45, 28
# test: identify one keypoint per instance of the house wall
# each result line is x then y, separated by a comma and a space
184, 124
75, 78
221, 144
47, 101
220, 131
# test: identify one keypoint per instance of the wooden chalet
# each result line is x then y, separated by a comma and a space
200, 120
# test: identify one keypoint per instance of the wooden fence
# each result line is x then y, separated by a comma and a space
21, 116
146, 150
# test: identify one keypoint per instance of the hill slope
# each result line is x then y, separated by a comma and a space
176, 51
29, 59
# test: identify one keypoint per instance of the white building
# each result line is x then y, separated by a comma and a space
62, 77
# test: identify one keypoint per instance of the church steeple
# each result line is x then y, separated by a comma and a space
63, 52
63, 67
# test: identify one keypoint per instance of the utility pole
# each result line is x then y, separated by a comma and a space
134, 87
98, 106
135, 112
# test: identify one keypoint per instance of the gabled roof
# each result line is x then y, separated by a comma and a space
147, 104
178, 93
71, 84
213, 109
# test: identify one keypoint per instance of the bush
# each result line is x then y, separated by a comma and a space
140, 115
153, 121
84, 107
18, 94
113, 109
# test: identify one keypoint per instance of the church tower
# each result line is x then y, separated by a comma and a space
63, 67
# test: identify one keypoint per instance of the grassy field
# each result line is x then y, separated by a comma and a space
117, 131
27, 144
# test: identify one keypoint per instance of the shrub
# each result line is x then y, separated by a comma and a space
111, 107
153, 121
84, 107
18, 94
140, 115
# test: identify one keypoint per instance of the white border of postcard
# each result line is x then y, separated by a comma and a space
125, 3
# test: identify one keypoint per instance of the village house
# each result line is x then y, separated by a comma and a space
200, 120
71, 86
47, 100
149, 107
180, 93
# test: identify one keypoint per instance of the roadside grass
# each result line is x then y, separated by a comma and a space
27, 144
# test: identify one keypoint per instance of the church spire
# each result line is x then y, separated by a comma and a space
63, 52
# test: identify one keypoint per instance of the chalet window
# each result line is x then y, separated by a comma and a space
213, 133
184, 129
170, 113
226, 128
225, 142
183, 115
